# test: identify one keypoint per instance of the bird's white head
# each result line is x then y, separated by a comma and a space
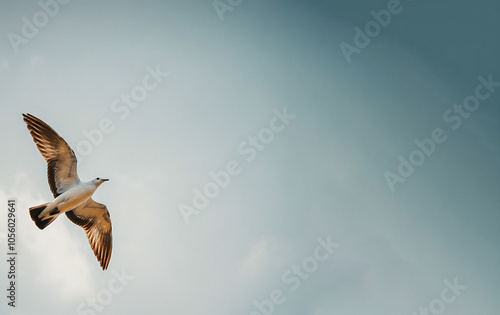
98, 181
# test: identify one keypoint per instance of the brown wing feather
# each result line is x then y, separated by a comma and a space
61, 160
94, 218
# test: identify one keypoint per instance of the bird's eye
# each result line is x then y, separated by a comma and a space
98, 178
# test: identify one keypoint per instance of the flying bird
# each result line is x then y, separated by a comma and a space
72, 196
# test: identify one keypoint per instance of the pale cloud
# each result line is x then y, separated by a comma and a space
60, 261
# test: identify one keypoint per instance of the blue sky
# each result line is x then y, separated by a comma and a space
199, 89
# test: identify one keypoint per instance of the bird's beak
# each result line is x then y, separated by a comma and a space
105, 179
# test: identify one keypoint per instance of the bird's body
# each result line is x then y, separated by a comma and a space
70, 199
72, 196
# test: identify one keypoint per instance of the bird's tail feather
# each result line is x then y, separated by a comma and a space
35, 212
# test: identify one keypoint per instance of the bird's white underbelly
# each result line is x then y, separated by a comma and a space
70, 199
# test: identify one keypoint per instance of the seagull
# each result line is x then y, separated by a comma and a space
72, 196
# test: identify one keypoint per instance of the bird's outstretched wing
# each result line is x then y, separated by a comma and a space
94, 218
61, 160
